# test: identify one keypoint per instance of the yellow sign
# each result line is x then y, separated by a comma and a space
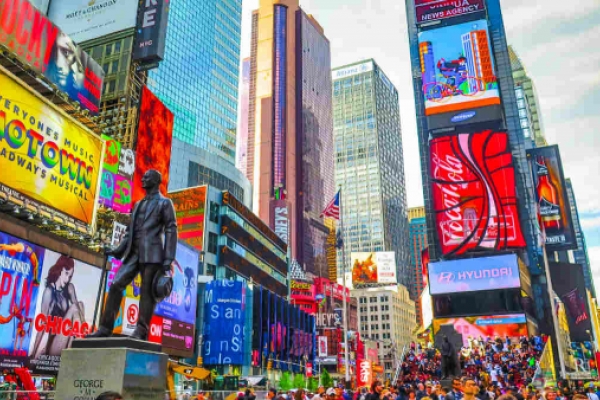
45, 155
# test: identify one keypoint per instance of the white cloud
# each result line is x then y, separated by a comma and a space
594, 255
588, 223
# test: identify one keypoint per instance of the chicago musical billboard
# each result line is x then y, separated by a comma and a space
551, 193
474, 274
457, 68
373, 267
37, 42
153, 149
46, 157
474, 193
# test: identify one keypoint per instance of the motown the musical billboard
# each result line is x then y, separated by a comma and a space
47, 160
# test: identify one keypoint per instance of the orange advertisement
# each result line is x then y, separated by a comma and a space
190, 205
46, 158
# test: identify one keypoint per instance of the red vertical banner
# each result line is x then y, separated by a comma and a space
309, 370
153, 148
364, 376
424, 265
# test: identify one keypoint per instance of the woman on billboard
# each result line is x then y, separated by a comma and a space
59, 300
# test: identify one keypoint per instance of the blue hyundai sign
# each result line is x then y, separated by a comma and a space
224, 314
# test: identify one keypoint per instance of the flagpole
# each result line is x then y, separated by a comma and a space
345, 309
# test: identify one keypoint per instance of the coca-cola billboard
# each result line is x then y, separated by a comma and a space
474, 194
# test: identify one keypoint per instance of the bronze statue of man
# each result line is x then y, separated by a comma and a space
148, 248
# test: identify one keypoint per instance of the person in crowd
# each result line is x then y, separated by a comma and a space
456, 393
591, 394
420, 391
470, 389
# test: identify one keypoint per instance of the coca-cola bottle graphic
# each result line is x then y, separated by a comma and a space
548, 198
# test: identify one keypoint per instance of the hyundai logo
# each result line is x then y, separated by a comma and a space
463, 116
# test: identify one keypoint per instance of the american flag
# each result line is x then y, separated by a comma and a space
333, 208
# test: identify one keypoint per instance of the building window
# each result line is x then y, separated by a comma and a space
373, 300
230, 274
212, 243
214, 212
211, 269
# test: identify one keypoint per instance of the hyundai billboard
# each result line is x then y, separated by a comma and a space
551, 194
474, 193
474, 274
457, 68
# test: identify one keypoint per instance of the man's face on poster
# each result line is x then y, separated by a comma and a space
67, 62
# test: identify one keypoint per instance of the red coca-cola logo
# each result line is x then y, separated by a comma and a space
474, 195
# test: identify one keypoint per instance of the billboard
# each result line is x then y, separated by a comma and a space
364, 377
224, 314
64, 309
511, 325
37, 42
173, 322
46, 156
426, 308
457, 68
280, 220
373, 267
474, 193
190, 206
352, 70
569, 285
434, 10
153, 149
474, 274
84, 20
151, 32
551, 193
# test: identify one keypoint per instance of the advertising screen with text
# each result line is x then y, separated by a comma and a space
474, 274
474, 193
457, 68
511, 325
433, 10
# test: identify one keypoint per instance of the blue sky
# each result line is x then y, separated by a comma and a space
558, 44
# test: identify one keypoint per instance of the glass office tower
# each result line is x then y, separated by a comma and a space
198, 78
369, 164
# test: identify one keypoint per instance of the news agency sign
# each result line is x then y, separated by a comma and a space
475, 274
151, 31
428, 11
352, 70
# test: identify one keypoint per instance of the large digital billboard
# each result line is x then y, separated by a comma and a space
474, 274
85, 20
426, 308
153, 149
460, 329
433, 10
151, 31
37, 42
46, 156
373, 267
569, 285
225, 310
457, 68
190, 211
46, 300
551, 193
474, 193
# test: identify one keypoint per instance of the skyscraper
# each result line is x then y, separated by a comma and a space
529, 111
417, 238
198, 79
369, 164
241, 161
290, 145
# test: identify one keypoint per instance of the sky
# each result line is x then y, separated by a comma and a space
557, 43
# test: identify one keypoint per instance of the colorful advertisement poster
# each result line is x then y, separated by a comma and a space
107, 189
181, 305
155, 135
64, 309
37, 42
460, 329
551, 193
127, 163
21, 268
474, 193
364, 377
112, 152
457, 68
474, 274
434, 10
121, 201
569, 285
224, 314
373, 267
45, 155
189, 207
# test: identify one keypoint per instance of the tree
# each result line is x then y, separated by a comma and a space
285, 383
299, 381
313, 384
326, 380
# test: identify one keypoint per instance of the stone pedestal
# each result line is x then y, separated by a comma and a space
134, 368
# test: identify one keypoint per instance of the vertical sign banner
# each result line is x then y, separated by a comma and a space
569, 284
155, 135
127, 163
551, 192
21, 268
112, 152
364, 377
45, 156
474, 193
118, 233
224, 314
190, 212
457, 68
433, 10
280, 222
151, 31
64, 309
322, 346
37, 42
